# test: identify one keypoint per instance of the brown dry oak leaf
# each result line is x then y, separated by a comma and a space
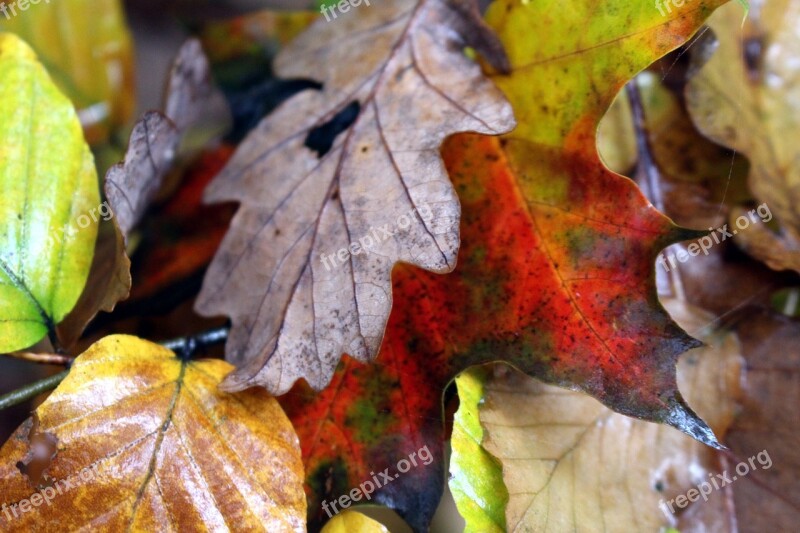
340, 184
131, 185
136, 439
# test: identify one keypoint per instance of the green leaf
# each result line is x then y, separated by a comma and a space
476, 477
48, 192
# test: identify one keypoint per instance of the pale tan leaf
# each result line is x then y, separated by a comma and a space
131, 185
571, 464
396, 82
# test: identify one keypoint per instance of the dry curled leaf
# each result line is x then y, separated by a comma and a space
340, 184
136, 439
570, 463
130, 186
747, 97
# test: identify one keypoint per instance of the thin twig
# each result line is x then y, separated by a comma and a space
184, 347
648, 169
31, 391
42, 358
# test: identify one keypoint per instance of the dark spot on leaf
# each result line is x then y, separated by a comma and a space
321, 138
41, 451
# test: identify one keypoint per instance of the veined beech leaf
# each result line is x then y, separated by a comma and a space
135, 439
48, 188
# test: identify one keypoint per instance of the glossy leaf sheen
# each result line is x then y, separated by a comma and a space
48, 187
148, 441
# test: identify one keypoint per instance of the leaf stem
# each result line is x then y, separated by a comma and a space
647, 174
31, 391
184, 347
42, 358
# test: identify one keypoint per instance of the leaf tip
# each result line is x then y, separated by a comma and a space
683, 418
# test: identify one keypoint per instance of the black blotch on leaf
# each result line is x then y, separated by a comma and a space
321, 138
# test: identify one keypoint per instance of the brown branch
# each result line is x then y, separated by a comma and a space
42, 358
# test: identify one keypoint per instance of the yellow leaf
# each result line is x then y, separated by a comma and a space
353, 522
86, 47
140, 441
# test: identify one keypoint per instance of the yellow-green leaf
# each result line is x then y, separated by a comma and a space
49, 200
476, 478
86, 46
135, 439
353, 522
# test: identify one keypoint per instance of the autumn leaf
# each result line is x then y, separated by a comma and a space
746, 97
130, 186
353, 522
572, 464
47, 235
153, 147
95, 68
476, 477
396, 82
537, 216
135, 438
771, 347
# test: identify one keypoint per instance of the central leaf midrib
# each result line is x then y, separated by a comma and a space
47, 320
159, 440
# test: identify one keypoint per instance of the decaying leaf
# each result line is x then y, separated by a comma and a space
87, 49
153, 146
47, 195
145, 440
768, 421
554, 276
570, 463
130, 186
340, 184
747, 97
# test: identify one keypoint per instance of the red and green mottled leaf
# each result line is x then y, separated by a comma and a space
555, 273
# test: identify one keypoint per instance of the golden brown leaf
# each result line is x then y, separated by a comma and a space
140, 440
